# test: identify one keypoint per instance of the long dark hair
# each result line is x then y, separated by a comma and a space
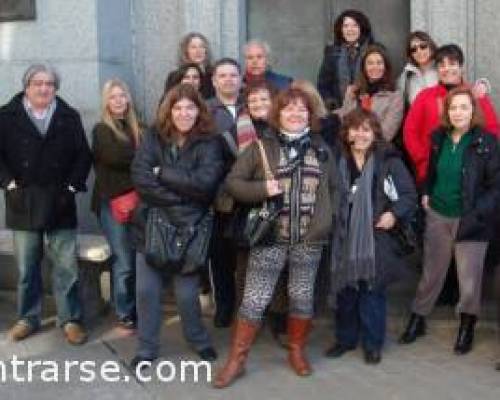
164, 124
387, 81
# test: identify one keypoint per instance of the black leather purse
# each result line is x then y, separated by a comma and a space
259, 223
176, 249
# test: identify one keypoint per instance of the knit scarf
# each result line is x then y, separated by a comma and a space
349, 65
353, 247
299, 175
245, 132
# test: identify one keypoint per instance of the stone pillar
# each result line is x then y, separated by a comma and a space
159, 26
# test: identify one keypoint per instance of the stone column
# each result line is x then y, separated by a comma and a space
160, 25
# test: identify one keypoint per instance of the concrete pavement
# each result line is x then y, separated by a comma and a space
427, 369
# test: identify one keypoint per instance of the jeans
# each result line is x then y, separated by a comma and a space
61, 251
150, 282
361, 311
123, 266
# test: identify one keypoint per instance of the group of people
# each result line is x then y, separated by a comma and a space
343, 168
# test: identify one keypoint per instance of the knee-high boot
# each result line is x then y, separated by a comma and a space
298, 331
243, 336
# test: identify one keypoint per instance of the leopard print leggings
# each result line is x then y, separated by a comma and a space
264, 268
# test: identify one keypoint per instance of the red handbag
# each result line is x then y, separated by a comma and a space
123, 206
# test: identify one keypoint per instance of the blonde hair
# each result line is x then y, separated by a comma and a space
312, 92
130, 115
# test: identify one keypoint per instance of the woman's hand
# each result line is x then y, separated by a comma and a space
350, 91
273, 187
425, 202
480, 89
386, 221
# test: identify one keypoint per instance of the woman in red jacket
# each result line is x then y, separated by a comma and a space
425, 112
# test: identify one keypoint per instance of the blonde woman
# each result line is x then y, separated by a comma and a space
115, 138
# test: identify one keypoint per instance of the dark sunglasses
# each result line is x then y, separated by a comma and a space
421, 46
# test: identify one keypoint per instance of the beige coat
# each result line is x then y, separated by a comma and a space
387, 105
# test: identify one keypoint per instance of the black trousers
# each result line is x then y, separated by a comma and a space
223, 266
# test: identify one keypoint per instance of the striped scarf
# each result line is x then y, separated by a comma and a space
245, 132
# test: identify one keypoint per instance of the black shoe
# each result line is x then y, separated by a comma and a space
223, 320
415, 328
465, 335
497, 366
208, 354
127, 323
373, 357
146, 363
338, 350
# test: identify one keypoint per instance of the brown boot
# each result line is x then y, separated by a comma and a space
243, 336
298, 330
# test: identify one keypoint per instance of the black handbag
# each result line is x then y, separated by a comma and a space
259, 223
406, 238
176, 249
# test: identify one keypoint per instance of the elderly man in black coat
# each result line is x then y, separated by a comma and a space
44, 161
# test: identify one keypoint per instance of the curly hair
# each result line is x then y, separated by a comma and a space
354, 120
360, 18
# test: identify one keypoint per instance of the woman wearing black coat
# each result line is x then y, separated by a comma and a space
342, 60
375, 195
177, 168
462, 191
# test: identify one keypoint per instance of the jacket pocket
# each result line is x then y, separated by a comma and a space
472, 226
16, 201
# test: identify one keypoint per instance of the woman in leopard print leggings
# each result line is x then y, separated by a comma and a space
302, 167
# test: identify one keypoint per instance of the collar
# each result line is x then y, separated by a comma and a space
38, 114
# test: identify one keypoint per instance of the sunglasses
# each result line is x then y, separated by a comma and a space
421, 46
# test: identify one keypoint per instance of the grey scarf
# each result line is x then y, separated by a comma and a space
348, 67
353, 249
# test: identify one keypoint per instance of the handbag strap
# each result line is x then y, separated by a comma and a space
265, 163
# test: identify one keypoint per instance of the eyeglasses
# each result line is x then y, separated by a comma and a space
421, 46
42, 83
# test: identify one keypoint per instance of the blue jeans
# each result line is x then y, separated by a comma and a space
361, 311
61, 251
150, 283
123, 266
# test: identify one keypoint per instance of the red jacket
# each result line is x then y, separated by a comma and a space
424, 117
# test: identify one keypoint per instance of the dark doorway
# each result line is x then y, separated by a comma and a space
298, 30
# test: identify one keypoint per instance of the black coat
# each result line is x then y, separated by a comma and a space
390, 261
480, 183
43, 166
186, 185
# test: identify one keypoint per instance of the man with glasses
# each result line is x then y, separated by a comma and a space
44, 161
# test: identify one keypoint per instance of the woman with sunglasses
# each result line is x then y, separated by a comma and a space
420, 71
